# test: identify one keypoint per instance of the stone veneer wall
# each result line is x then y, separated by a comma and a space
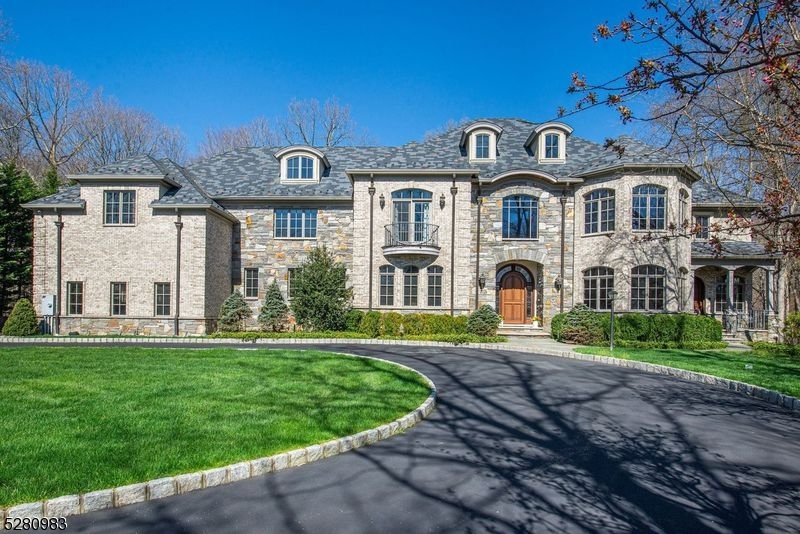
273, 257
624, 248
542, 256
139, 255
442, 217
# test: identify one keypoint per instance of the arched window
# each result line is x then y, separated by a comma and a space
387, 285
520, 217
411, 215
435, 285
597, 283
300, 168
410, 285
649, 207
552, 146
648, 284
599, 211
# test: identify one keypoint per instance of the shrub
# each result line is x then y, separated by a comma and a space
390, 324
22, 321
233, 312
353, 320
483, 321
582, 325
791, 329
699, 328
557, 326
664, 327
633, 326
371, 324
274, 311
321, 297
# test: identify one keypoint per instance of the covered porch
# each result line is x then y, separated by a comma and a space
736, 284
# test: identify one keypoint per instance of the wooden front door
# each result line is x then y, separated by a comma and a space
512, 298
699, 296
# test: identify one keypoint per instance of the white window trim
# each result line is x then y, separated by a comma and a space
317, 157
562, 147
473, 146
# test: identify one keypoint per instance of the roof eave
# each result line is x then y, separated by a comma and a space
34, 205
326, 198
412, 171
691, 173
210, 207
125, 178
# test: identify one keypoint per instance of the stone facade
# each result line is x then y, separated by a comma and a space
431, 213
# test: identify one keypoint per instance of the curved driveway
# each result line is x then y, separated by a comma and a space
523, 443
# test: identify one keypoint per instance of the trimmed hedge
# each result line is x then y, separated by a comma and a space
388, 324
658, 328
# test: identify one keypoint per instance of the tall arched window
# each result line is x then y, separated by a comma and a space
520, 217
597, 282
300, 167
599, 211
648, 283
649, 207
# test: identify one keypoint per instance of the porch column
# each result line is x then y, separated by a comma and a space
731, 321
769, 303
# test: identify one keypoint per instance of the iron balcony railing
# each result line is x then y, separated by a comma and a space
412, 234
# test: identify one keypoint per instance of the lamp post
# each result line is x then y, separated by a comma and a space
611, 294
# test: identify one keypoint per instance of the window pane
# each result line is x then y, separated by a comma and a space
128, 208
75, 298
597, 282
112, 207
281, 223
293, 167
307, 170
435, 286
311, 223
119, 298
387, 285
251, 283
520, 217
649, 207
162, 298
551, 148
482, 146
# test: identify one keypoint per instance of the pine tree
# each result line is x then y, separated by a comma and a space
321, 297
16, 235
233, 312
22, 321
274, 311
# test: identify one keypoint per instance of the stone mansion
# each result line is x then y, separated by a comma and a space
522, 216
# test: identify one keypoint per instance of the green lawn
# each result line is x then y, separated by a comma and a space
81, 419
761, 367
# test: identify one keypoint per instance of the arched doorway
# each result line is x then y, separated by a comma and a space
699, 296
515, 295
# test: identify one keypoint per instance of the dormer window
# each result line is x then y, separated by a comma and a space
301, 164
552, 146
482, 146
548, 142
300, 167
479, 141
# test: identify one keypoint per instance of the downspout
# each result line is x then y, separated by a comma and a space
563, 201
371, 227
57, 304
453, 191
178, 227
478, 201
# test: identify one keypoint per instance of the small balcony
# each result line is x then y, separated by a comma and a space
411, 239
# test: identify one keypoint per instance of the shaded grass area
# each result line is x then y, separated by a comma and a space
78, 419
762, 367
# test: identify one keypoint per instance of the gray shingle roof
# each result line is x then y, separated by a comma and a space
137, 165
704, 193
69, 197
704, 249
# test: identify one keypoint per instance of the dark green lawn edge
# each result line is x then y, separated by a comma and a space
68, 505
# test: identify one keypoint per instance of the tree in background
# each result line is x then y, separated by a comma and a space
233, 313
16, 235
274, 311
306, 123
321, 298
724, 77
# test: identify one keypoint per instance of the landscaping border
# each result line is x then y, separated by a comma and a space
70, 505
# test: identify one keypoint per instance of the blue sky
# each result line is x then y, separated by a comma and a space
404, 68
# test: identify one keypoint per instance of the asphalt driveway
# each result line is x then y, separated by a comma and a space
523, 443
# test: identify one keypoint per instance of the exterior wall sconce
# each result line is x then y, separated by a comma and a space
441, 201
558, 283
382, 200
482, 282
